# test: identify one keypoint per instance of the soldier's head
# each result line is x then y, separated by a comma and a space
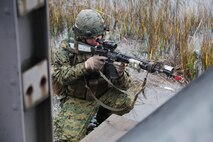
89, 26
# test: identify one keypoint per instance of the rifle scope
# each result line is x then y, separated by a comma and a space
107, 44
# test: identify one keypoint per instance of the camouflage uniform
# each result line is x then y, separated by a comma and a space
77, 106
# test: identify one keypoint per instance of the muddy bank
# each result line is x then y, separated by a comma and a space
158, 90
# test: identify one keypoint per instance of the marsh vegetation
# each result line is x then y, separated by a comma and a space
176, 32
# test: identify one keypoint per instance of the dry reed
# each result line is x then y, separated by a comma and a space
165, 26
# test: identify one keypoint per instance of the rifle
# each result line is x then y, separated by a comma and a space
107, 48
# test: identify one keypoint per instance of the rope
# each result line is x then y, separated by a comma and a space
101, 103
125, 92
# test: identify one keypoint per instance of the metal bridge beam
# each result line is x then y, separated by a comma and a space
186, 117
25, 100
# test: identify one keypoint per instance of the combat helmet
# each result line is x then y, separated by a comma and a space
88, 24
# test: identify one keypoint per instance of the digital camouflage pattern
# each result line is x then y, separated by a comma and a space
72, 121
64, 73
67, 77
76, 110
89, 23
76, 113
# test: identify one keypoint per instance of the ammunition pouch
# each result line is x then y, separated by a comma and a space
98, 88
57, 87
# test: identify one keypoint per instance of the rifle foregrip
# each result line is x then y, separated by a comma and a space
112, 72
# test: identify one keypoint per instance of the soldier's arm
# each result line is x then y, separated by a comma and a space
64, 72
123, 82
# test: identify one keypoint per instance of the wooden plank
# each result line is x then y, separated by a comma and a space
110, 130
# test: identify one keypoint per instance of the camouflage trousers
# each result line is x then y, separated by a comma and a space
71, 123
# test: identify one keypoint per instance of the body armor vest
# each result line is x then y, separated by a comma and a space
77, 88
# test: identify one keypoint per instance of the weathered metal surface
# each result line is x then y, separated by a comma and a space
23, 44
187, 117
110, 130
25, 6
11, 108
35, 84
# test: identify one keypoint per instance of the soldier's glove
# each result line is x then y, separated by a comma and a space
95, 63
120, 67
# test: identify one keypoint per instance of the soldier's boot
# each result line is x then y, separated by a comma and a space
92, 125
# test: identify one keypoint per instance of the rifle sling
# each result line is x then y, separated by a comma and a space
100, 102
125, 92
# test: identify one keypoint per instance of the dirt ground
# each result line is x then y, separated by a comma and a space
158, 90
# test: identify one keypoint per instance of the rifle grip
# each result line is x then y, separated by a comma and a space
111, 71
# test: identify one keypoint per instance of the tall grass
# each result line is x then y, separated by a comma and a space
56, 16
169, 28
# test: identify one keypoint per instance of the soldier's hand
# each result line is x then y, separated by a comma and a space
120, 67
95, 62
